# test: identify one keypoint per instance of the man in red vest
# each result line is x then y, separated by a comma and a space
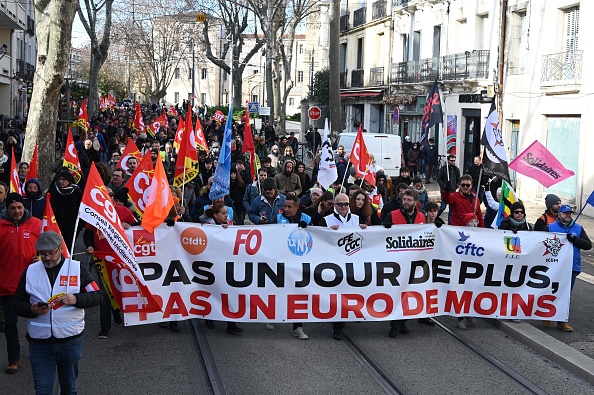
406, 214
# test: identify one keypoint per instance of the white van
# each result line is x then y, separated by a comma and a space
386, 149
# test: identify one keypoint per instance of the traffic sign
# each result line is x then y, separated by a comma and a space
314, 113
201, 18
264, 110
253, 107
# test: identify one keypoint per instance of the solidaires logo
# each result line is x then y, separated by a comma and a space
300, 242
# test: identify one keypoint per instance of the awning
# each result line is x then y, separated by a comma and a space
362, 93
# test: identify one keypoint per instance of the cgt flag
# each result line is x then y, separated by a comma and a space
139, 182
181, 127
186, 165
432, 113
138, 120
83, 117
200, 140
538, 163
154, 127
34, 165
160, 200
71, 160
248, 143
131, 150
15, 181
494, 157
361, 159
97, 210
49, 223
222, 174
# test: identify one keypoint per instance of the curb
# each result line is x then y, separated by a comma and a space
549, 347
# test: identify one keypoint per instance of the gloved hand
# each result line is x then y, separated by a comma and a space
571, 237
170, 222
387, 226
302, 224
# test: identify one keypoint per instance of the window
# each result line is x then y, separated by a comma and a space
291, 101
203, 98
300, 76
255, 98
360, 54
176, 73
483, 36
571, 28
518, 43
416, 45
190, 74
176, 97
404, 38
300, 48
203, 72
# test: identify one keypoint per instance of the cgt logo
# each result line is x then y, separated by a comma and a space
512, 244
351, 243
144, 243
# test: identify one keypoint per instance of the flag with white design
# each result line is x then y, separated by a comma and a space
160, 200
49, 223
494, 155
327, 174
71, 160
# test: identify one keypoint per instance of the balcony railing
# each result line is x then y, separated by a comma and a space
343, 77
376, 76
378, 9
564, 66
357, 78
359, 17
466, 65
400, 3
344, 23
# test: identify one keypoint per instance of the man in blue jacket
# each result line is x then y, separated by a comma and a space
580, 240
266, 207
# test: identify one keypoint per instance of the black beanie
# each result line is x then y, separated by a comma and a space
14, 197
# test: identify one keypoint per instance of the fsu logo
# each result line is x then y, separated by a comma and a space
144, 243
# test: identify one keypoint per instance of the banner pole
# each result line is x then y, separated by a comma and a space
72, 252
346, 171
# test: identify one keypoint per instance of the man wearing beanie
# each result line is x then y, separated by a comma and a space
266, 207
550, 215
65, 200
19, 232
65, 288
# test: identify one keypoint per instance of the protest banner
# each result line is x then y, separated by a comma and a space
282, 273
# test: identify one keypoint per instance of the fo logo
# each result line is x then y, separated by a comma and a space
193, 240
351, 243
144, 243
300, 242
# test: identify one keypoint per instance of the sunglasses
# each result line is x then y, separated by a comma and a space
519, 212
341, 204
466, 185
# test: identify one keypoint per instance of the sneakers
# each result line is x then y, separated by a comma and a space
12, 368
298, 332
117, 318
426, 321
270, 327
564, 326
546, 324
462, 324
103, 333
393, 332
337, 334
470, 322
233, 328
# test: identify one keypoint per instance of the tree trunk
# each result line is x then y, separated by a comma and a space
96, 63
54, 31
334, 102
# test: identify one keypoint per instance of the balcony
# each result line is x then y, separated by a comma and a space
357, 78
359, 17
466, 65
376, 76
343, 78
563, 68
378, 10
344, 23
12, 15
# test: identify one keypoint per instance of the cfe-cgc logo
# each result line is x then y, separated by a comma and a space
300, 242
351, 243
193, 240
144, 243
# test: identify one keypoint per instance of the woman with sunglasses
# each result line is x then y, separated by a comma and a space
516, 220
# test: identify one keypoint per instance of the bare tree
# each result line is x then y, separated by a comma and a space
53, 32
90, 19
233, 22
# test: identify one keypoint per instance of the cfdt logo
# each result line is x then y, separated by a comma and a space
144, 243
193, 240
512, 244
351, 243
300, 242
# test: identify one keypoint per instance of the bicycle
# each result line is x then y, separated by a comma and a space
440, 163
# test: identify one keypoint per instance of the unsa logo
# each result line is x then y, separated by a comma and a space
300, 242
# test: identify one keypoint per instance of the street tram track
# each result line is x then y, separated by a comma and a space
209, 367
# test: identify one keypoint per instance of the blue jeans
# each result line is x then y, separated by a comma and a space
46, 357
13, 345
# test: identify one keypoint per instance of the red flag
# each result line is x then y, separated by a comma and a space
83, 117
138, 121
98, 210
186, 165
160, 200
361, 160
33, 166
111, 100
139, 182
219, 116
153, 128
200, 140
71, 158
15, 181
130, 150
181, 126
173, 111
248, 143
102, 104
49, 223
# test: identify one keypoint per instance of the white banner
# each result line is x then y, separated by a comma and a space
282, 273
